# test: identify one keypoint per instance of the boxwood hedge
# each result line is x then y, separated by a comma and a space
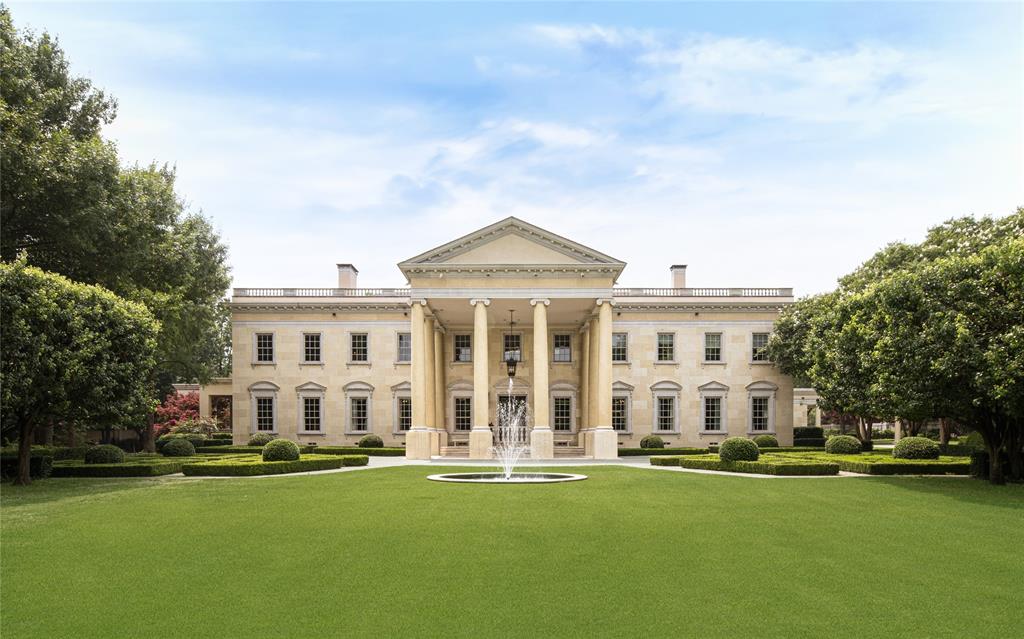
665, 460
765, 465
816, 442
256, 466
636, 452
40, 464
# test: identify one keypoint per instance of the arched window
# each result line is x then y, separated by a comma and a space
263, 407
311, 408
713, 417
666, 407
358, 408
761, 407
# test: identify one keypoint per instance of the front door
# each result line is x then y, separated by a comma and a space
503, 401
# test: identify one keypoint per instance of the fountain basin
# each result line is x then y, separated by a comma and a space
499, 478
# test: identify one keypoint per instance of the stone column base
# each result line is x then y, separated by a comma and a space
480, 442
542, 443
605, 443
419, 443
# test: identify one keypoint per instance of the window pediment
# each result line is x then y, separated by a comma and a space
311, 387
762, 386
666, 385
713, 386
622, 387
358, 386
264, 386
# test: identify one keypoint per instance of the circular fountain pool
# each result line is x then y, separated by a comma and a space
500, 478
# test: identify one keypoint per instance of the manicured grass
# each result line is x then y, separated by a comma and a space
631, 552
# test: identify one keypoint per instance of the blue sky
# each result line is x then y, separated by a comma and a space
762, 144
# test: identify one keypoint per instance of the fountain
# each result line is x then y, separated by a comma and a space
511, 441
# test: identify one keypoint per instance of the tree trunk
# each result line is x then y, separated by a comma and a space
943, 431
995, 465
48, 434
146, 435
24, 477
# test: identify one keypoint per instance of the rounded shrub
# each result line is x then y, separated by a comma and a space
179, 447
105, 454
195, 439
766, 441
370, 441
842, 445
280, 450
738, 449
652, 441
915, 448
261, 439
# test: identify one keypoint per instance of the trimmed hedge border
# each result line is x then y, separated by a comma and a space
875, 464
40, 465
637, 452
307, 450
237, 468
166, 466
766, 465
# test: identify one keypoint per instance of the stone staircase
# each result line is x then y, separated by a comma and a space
568, 451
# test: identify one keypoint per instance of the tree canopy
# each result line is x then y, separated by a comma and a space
72, 352
927, 331
69, 204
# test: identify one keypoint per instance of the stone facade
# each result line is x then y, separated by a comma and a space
388, 361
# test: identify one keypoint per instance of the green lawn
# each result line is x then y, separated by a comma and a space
630, 552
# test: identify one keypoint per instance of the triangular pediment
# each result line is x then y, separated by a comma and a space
512, 242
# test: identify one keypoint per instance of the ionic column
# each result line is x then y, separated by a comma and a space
605, 440
542, 440
428, 365
480, 438
595, 348
417, 440
439, 382
584, 379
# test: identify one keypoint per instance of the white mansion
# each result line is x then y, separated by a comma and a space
424, 367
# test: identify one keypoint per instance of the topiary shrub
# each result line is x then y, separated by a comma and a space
915, 448
808, 432
652, 441
280, 450
738, 449
370, 441
105, 454
260, 439
766, 441
179, 447
842, 445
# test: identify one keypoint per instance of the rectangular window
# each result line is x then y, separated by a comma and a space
360, 347
405, 347
513, 347
563, 348
758, 413
265, 414
463, 348
666, 347
620, 352
311, 348
619, 414
463, 413
666, 413
562, 408
360, 415
311, 414
404, 413
264, 347
758, 341
712, 347
713, 413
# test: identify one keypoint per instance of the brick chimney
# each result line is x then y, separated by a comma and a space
347, 276
678, 275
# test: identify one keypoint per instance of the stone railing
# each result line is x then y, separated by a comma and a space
703, 292
321, 292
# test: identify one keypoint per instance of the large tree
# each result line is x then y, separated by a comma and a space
72, 352
927, 331
67, 202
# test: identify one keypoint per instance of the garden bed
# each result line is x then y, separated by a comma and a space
248, 467
767, 464
637, 452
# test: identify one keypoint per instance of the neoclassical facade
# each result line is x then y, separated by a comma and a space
425, 367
